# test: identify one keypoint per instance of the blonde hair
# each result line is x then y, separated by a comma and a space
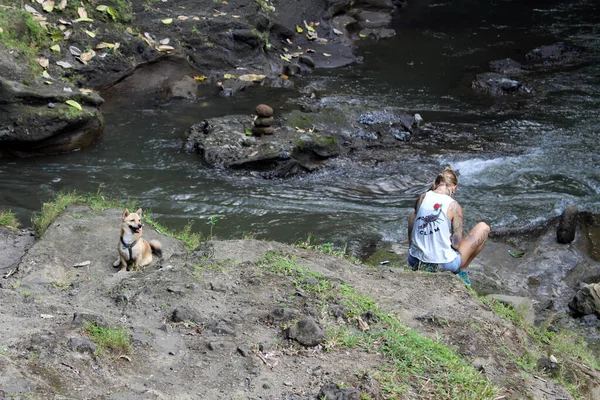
447, 177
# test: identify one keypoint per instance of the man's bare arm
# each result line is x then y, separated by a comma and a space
456, 214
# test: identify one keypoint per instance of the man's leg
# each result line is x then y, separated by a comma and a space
473, 243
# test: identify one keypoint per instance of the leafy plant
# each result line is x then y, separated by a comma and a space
9, 220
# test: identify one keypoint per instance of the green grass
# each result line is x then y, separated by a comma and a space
326, 248
108, 340
51, 210
415, 362
22, 33
543, 339
9, 220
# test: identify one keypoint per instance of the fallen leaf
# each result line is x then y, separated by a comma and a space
1, 30
229, 76
285, 57
129, 30
46, 75
182, 17
200, 78
61, 6
164, 41
117, 45
43, 62
362, 324
284, 76
105, 45
327, 54
49, 82
90, 34
248, 132
46, 316
74, 104
82, 13
83, 264
251, 77
83, 20
64, 64
362, 35
196, 19
164, 47
125, 357
167, 21
308, 27
74, 50
337, 31
298, 29
48, 5
299, 130
31, 10
67, 34
289, 41
64, 22
235, 16
310, 51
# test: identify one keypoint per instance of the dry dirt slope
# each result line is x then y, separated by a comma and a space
210, 325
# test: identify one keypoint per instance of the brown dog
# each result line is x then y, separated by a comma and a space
135, 252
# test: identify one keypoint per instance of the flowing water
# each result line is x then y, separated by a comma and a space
426, 68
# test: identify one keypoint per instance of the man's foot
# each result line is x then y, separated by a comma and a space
464, 275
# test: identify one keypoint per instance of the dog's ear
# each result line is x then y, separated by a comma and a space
139, 212
125, 213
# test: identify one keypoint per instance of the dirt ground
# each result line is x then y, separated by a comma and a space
204, 325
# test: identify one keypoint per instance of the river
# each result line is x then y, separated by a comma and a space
427, 68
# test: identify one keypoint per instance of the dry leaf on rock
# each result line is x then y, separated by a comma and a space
164, 47
82, 13
44, 62
74, 104
48, 5
74, 50
167, 21
64, 64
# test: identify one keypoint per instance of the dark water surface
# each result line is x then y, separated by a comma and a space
426, 68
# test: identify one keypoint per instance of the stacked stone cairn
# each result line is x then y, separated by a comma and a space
262, 124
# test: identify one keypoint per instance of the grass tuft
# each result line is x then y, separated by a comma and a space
108, 340
9, 220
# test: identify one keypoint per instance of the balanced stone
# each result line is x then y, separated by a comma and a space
263, 110
263, 121
262, 130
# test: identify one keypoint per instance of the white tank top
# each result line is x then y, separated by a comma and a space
432, 230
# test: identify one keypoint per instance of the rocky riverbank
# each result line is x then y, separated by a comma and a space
257, 320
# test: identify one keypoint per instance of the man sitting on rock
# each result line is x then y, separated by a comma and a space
435, 231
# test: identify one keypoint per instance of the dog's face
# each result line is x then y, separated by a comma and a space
132, 222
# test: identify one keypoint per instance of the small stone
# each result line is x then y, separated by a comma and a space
260, 131
51, 105
263, 122
263, 110
307, 60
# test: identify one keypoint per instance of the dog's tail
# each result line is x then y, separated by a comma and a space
156, 248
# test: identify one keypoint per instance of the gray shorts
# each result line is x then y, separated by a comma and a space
452, 266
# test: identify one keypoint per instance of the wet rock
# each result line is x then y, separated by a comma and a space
80, 318
264, 111
81, 344
307, 60
522, 305
331, 391
496, 84
555, 54
307, 332
186, 88
586, 300
507, 66
13, 245
184, 313
567, 227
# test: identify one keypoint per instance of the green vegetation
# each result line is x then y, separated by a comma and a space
543, 340
9, 220
20, 32
108, 340
414, 361
327, 248
51, 210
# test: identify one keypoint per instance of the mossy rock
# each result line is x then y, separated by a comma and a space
386, 254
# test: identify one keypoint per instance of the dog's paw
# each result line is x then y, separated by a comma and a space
117, 263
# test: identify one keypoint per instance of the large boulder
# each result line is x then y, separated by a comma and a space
586, 300
567, 227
